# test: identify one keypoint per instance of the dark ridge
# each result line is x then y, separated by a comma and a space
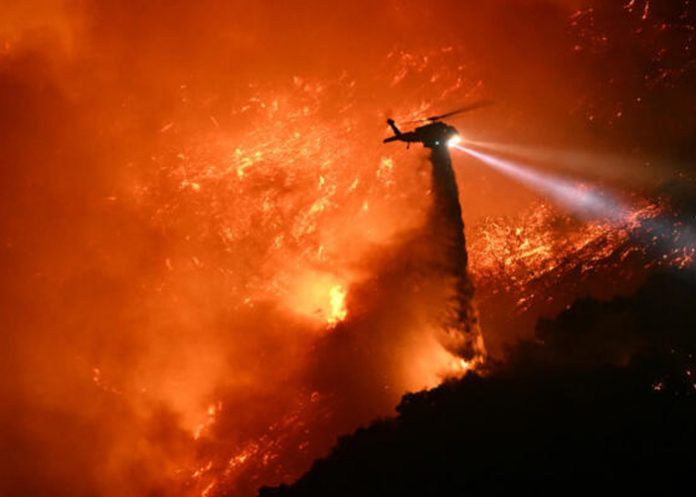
603, 400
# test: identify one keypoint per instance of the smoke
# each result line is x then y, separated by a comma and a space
411, 324
170, 247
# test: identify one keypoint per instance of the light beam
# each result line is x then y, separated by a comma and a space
586, 201
577, 197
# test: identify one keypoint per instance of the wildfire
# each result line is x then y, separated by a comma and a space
190, 206
212, 412
536, 263
338, 310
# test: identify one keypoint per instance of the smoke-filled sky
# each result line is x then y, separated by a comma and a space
211, 266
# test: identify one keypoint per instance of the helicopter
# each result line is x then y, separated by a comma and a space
435, 133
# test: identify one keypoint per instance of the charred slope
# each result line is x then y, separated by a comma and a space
604, 400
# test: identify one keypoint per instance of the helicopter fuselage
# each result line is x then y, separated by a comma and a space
431, 135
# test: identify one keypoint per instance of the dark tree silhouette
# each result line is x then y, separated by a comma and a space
604, 400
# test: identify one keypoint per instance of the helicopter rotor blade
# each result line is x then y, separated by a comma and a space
417, 121
462, 110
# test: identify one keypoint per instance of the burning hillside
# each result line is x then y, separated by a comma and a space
538, 263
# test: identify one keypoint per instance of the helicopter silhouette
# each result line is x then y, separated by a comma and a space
435, 133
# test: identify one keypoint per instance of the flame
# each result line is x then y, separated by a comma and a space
316, 296
338, 311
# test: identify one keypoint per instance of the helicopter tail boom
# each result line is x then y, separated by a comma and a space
392, 139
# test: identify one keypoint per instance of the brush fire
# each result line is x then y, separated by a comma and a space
212, 265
